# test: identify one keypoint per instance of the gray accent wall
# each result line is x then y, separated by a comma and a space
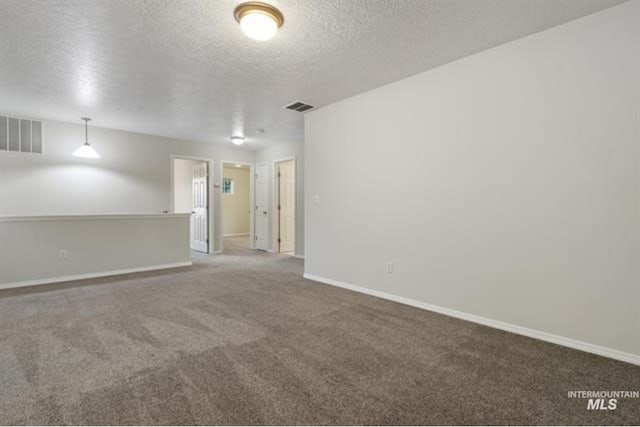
504, 185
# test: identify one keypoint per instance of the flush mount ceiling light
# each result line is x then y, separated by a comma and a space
259, 21
237, 140
86, 151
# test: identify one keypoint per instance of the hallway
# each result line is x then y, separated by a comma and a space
236, 244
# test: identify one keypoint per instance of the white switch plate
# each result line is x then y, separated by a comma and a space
390, 267
63, 254
317, 198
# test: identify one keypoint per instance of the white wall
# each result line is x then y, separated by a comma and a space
93, 245
504, 185
279, 152
133, 175
183, 185
236, 213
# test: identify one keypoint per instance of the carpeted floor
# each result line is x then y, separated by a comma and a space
236, 244
241, 338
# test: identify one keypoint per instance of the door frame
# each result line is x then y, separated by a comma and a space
210, 193
268, 207
275, 220
252, 179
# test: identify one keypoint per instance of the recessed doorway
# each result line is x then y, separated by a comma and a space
190, 193
236, 190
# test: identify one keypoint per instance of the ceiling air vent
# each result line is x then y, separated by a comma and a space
300, 107
21, 135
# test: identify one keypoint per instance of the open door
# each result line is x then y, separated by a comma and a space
200, 211
286, 206
262, 207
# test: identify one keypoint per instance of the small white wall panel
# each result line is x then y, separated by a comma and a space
3, 133
36, 137
25, 135
14, 134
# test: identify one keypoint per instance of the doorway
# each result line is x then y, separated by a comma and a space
190, 193
236, 190
285, 203
262, 207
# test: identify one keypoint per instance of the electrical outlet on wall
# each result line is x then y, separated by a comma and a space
63, 254
390, 267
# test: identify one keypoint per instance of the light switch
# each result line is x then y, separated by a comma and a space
390, 267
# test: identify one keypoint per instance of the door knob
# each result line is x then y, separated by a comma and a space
264, 212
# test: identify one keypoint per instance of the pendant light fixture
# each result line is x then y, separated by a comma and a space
259, 21
86, 151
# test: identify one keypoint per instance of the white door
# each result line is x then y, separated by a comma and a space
262, 206
200, 210
286, 205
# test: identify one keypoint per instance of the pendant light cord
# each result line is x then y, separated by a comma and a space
86, 130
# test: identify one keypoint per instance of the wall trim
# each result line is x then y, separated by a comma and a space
298, 256
93, 275
520, 330
236, 234
90, 217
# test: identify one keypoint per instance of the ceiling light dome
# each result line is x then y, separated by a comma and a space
237, 140
259, 21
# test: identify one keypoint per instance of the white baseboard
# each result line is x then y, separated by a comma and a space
235, 235
219, 251
299, 256
92, 275
520, 330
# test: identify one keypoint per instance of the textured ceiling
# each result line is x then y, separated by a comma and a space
183, 68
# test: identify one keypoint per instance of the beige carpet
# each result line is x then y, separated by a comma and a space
241, 338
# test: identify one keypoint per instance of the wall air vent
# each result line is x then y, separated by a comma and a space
20, 135
300, 107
